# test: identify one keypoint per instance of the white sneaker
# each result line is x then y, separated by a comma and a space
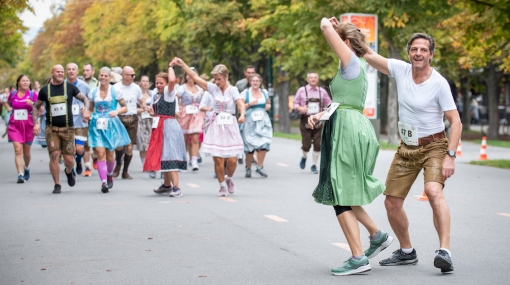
194, 166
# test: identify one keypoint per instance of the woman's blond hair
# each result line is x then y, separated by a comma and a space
354, 35
220, 69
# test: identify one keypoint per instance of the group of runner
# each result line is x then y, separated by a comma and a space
112, 113
169, 123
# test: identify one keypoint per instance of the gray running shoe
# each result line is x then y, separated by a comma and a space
400, 258
176, 192
443, 261
248, 173
261, 172
230, 186
152, 174
378, 245
163, 189
352, 266
223, 192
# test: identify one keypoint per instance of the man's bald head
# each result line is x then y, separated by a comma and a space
128, 75
57, 74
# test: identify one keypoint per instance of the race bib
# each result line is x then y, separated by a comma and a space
102, 123
313, 108
20, 115
224, 118
146, 115
408, 133
155, 122
330, 111
257, 115
76, 109
191, 109
58, 109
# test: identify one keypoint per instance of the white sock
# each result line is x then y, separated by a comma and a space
22, 174
407, 250
223, 184
27, 167
103, 180
87, 164
305, 154
315, 156
227, 177
449, 253
194, 159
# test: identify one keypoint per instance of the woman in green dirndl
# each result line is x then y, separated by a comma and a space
349, 148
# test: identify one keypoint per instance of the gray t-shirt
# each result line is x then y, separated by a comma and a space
352, 70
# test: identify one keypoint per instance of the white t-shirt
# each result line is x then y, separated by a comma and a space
132, 93
214, 96
422, 105
108, 98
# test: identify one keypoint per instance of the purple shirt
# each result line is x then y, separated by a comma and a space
300, 98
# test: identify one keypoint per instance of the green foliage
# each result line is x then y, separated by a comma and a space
497, 143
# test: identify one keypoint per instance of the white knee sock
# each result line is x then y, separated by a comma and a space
305, 154
315, 156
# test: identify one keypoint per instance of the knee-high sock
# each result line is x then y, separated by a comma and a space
101, 169
109, 167
315, 156
118, 157
127, 161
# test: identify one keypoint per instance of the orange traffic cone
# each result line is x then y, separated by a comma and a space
423, 197
483, 150
459, 149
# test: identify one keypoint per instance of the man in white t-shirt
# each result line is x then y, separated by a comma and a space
424, 96
132, 95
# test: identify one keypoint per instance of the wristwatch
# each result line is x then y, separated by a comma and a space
451, 153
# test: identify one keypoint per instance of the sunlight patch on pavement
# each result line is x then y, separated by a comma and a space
275, 218
343, 246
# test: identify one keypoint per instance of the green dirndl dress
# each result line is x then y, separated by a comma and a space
349, 147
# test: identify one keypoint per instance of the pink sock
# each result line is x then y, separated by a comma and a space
109, 167
101, 168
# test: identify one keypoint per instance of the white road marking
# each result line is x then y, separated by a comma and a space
226, 199
504, 214
192, 185
343, 246
275, 218
282, 164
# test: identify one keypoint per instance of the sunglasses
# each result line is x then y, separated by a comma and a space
132, 75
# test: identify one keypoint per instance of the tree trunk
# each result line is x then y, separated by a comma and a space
492, 80
383, 111
283, 101
466, 100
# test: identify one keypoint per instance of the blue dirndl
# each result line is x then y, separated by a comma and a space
114, 134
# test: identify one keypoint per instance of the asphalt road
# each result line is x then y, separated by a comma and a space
270, 232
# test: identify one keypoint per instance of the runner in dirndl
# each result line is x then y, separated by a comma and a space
106, 131
222, 138
166, 148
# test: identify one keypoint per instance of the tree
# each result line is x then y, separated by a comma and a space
480, 35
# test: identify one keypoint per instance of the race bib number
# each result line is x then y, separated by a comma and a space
102, 123
330, 111
58, 109
146, 115
224, 118
20, 115
313, 108
191, 109
76, 109
257, 115
155, 122
408, 133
